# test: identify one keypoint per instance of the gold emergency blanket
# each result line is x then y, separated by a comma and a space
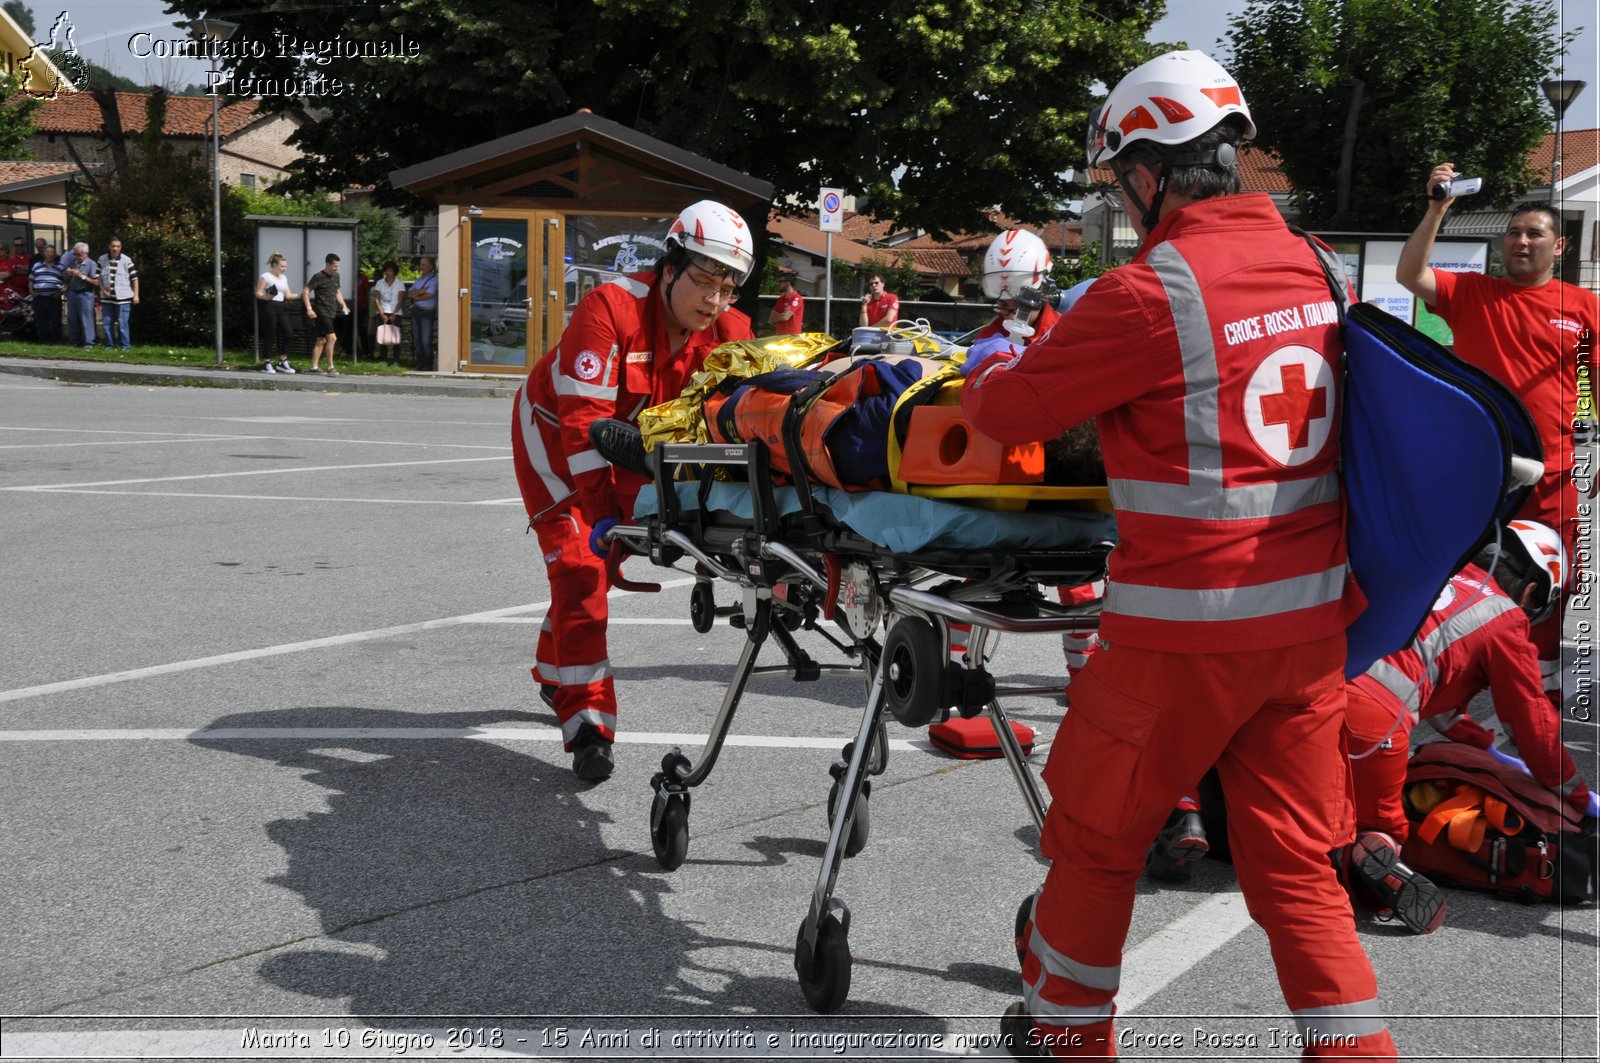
681, 420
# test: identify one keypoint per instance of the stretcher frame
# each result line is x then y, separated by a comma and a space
794, 571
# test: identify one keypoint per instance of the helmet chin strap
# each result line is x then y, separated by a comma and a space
1151, 214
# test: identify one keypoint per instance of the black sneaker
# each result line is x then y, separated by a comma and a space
1016, 1033
1181, 842
591, 755
547, 693
1374, 867
622, 444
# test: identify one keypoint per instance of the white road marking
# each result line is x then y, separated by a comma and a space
247, 472
612, 621
130, 674
129, 442
431, 734
1163, 957
104, 431
271, 498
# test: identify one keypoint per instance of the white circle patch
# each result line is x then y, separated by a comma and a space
587, 365
1290, 405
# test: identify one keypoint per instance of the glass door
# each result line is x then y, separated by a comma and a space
495, 260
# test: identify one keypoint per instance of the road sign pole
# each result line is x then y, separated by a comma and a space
827, 303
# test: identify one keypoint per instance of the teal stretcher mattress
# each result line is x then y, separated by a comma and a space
907, 524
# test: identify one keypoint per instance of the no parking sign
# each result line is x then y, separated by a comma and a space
830, 216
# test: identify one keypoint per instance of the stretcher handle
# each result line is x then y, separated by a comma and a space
614, 576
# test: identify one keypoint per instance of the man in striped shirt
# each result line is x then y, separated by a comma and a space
47, 279
119, 293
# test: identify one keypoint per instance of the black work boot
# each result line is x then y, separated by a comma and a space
591, 755
1016, 1033
1181, 842
1373, 867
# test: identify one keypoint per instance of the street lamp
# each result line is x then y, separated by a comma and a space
213, 31
1560, 93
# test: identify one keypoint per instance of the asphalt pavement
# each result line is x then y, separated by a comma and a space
275, 783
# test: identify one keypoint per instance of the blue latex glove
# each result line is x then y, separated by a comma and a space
986, 348
597, 538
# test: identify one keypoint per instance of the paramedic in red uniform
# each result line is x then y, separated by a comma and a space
879, 308
1016, 259
1475, 639
631, 343
789, 310
1211, 362
1526, 329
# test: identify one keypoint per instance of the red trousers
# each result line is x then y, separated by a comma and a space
571, 653
1143, 727
1379, 748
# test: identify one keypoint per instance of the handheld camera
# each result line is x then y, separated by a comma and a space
1461, 186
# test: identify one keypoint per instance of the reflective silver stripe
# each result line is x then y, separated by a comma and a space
1251, 502
1550, 672
1226, 603
608, 720
566, 385
1201, 381
1442, 723
533, 447
1431, 647
634, 288
577, 675
586, 461
1343, 1021
1055, 963
1406, 690
1047, 1011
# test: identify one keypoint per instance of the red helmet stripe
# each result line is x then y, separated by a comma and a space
1172, 109
1138, 118
1222, 95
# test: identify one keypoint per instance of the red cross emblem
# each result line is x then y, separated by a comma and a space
1297, 405
1289, 405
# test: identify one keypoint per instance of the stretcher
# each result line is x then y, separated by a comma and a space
882, 578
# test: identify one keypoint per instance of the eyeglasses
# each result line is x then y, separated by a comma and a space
726, 294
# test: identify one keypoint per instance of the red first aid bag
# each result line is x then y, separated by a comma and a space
975, 739
1482, 824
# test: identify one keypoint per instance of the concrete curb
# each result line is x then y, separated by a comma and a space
182, 376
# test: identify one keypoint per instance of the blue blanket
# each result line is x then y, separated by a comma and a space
907, 524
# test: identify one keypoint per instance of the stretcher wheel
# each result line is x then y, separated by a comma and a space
825, 973
1024, 916
702, 608
670, 839
914, 685
860, 826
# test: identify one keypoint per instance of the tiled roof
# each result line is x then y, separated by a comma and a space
944, 261
22, 174
187, 116
1580, 151
802, 232
865, 228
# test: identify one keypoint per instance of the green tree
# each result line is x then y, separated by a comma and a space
933, 109
21, 15
1360, 98
16, 116
159, 203
899, 274
1069, 271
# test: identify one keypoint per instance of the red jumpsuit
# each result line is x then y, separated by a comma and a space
1211, 362
613, 360
1527, 339
1475, 639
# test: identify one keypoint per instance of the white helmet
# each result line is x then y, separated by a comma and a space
1015, 260
1532, 553
1170, 100
717, 233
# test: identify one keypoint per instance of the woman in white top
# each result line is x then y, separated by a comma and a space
276, 317
386, 295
